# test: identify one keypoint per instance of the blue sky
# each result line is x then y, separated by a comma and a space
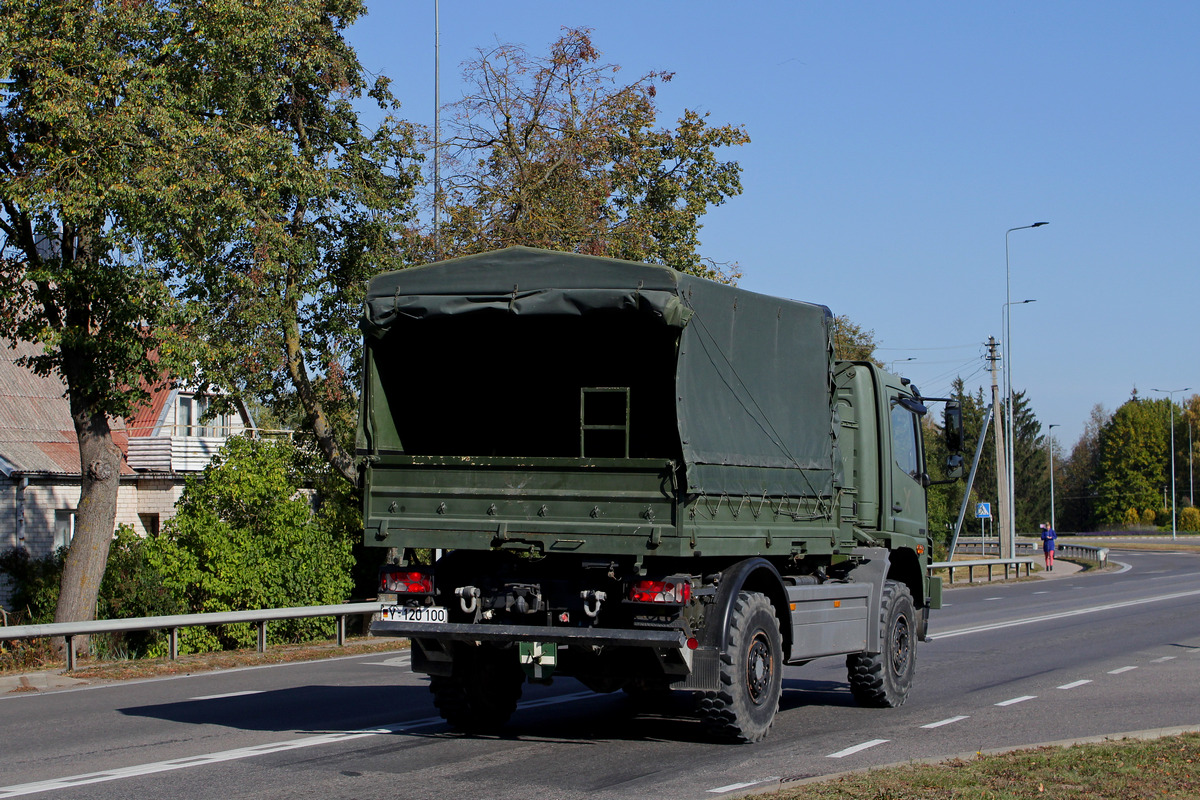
893, 144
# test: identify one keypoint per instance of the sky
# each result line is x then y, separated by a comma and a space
892, 147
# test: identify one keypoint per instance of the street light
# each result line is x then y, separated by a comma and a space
1050, 433
1009, 430
892, 364
1012, 532
1170, 393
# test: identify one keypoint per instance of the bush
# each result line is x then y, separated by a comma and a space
245, 535
1189, 519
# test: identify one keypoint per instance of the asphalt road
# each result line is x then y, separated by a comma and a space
1010, 665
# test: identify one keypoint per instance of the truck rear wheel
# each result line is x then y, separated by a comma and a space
883, 680
744, 707
482, 691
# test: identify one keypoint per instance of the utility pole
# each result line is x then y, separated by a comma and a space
1006, 544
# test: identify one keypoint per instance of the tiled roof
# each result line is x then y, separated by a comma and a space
36, 431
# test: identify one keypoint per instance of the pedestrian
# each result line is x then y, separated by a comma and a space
1048, 537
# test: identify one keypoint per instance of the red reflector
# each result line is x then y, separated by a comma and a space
676, 592
693, 643
406, 582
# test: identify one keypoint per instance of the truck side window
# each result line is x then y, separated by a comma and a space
904, 440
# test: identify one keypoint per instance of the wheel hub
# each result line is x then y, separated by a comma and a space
759, 669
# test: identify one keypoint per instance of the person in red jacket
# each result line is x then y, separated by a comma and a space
1048, 537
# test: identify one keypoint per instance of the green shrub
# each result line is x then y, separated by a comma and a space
245, 536
1189, 519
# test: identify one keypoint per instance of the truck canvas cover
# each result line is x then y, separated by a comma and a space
748, 376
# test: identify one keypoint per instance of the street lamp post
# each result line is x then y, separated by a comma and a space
1050, 434
1012, 532
1010, 472
892, 364
1170, 393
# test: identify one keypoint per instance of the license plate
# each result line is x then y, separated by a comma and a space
429, 615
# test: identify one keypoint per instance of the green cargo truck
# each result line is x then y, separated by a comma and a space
639, 479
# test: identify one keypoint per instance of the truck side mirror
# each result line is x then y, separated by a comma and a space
954, 467
952, 424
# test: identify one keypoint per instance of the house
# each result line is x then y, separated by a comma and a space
164, 443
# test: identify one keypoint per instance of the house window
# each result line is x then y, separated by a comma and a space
190, 410
149, 523
64, 527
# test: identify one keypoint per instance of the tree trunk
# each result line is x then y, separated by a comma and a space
100, 470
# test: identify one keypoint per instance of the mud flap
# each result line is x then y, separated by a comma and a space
538, 659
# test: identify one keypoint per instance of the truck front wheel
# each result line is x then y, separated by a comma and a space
751, 674
482, 691
883, 680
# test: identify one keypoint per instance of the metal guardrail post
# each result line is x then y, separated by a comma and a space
262, 635
341, 630
70, 653
173, 651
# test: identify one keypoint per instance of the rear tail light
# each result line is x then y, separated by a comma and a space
672, 591
405, 581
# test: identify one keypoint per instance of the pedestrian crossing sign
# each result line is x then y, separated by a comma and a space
983, 511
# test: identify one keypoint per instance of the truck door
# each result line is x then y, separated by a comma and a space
907, 510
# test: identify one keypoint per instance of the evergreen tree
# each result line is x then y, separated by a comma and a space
1133, 463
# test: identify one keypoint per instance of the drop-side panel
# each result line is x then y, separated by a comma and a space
610, 507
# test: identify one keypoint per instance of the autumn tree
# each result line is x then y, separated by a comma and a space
852, 342
147, 148
556, 152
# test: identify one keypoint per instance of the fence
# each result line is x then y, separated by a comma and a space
259, 618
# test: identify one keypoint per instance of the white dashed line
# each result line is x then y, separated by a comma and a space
733, 787
223, 696
858, 748
1016, 700
1074, 685
1161, 660
1120, 670
940, 723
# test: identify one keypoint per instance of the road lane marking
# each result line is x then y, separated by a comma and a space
1062, 615
1120, 670
227, 694
733, 787
1016, 700
186, 762
1161, 660
1075, 684
858, 748
949, 721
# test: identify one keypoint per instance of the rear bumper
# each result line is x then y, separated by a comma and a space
460, 632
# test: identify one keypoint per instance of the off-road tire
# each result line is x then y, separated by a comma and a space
743, 709
883, 680
482, 692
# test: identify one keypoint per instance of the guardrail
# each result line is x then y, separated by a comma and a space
259, 618
1063, 549
989, 563
1078, 552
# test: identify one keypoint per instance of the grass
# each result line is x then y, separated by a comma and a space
1128, 769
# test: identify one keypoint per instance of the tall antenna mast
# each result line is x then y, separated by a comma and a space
437, 130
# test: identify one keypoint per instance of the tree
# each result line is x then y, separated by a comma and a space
1080, 474
851, 342
137, 142
278, 300
1031, 466
555, 152
1133, 468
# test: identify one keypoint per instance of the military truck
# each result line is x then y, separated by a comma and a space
640, 479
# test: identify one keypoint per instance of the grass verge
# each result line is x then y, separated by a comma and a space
1116, 770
